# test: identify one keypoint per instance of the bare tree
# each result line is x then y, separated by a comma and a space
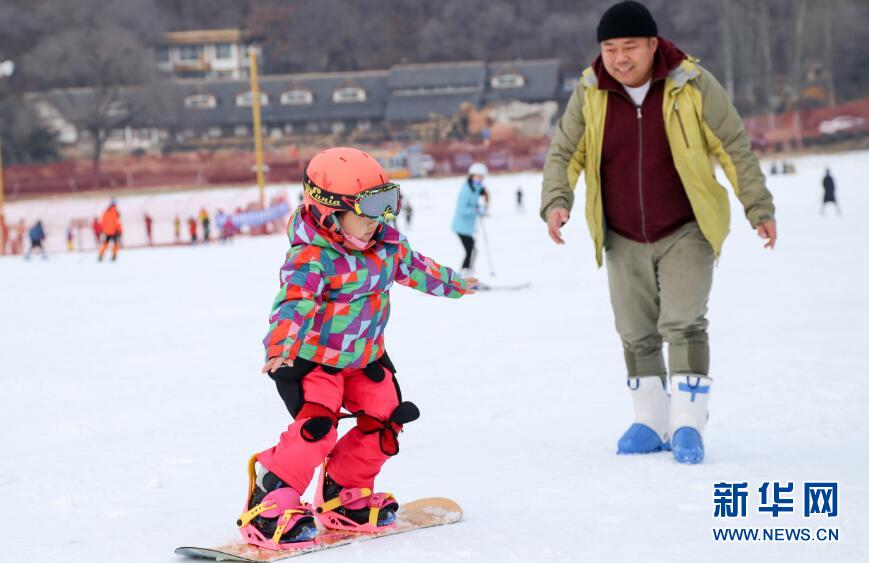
727, 46
107, 60
829, 6
797, 38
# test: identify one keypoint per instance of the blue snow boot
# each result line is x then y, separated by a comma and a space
687, 445
649, 432
689, 411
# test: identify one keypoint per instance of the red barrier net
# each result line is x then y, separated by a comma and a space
284, 165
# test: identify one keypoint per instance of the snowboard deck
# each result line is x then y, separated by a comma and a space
415, 515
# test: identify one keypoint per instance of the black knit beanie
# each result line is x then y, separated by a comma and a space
626, 19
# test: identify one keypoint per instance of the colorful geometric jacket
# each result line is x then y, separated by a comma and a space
333, 304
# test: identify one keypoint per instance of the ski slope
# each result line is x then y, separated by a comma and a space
131, 394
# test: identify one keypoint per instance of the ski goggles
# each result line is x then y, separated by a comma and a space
379, 202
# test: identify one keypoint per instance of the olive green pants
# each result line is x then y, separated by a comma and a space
659, 292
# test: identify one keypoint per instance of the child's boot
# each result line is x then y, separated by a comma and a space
275, 517
354, 509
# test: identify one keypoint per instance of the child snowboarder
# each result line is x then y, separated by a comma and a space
325, 349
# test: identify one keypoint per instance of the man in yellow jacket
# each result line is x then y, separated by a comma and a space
643, 124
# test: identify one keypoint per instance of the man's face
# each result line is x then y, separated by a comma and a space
629, 59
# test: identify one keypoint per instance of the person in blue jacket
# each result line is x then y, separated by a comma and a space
468, 210
37, 235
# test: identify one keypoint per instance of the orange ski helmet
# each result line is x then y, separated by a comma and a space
347, 179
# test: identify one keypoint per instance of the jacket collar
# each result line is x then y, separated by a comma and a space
302, 229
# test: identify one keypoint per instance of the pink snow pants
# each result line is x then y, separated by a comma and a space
356, 459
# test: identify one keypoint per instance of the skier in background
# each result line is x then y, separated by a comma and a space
97, 230
176, 225
37, 236
110, 225
18, 241
70, 236
468, 210
408, 213
829, 193
228, 230
191, 226
4, 235
519, 205
149, 226
342, 262
206, 224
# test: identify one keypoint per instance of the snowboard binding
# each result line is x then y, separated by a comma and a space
275, 518
353, 509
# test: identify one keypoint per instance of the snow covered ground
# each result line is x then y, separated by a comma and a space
130, 393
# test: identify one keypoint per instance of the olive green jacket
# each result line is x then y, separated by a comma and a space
701, 123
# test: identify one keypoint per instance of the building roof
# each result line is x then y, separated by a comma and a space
541, 80
404, 93
202, 36
468, 73
321, 87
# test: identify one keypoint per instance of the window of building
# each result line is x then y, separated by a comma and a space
189, 53
215, 132
338, 127
223, 51
246, 99
116, 135
506, 81
241, 131
297, 97
117, 109
311, 127
200, 101
348, 94
162, 54
142, 134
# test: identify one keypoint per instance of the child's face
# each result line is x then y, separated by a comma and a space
360, 227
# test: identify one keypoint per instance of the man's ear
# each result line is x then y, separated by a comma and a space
653, 43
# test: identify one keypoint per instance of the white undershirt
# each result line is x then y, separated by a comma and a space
638, 94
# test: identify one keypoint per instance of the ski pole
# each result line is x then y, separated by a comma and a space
488, 248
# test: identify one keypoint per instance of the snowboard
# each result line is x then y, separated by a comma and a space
415, 515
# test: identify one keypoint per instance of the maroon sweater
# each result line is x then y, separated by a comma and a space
643, 197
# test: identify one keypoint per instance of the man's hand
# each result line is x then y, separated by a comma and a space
766, 230
472, 284
276, 363
558, 217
